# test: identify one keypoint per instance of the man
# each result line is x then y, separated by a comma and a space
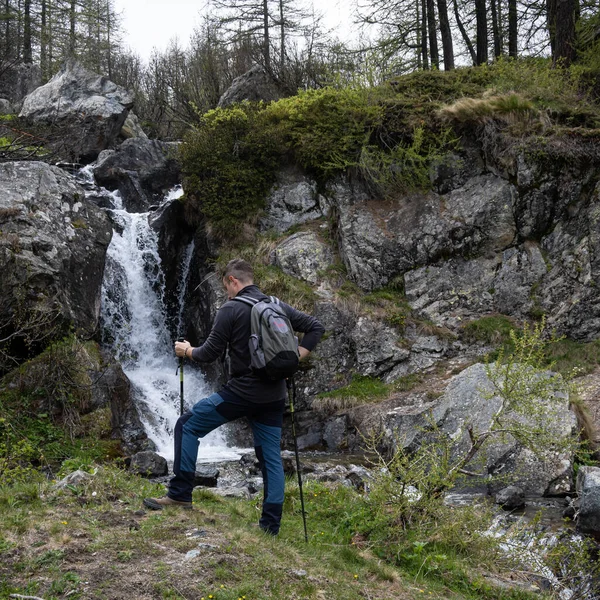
244, 395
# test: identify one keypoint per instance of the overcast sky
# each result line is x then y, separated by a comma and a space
152, 23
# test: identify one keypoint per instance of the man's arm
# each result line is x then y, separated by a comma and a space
306, 324
215, 343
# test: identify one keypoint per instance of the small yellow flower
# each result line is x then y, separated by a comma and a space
222, 586
355, 576
64, 522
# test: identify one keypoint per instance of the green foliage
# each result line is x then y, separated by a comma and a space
327, 128
229, 164
406, 165
493, 329
40, 403
361, 390
530, 393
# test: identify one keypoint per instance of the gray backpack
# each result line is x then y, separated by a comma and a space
273, 345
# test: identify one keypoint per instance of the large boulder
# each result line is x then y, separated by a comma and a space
53, 245
142, 170
469, 401
294, 200
89, 109
254, 85
304, 256
588, 489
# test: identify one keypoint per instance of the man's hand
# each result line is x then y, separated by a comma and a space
303, 352
183, 349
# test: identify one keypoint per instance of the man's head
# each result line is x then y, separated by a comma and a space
236, 276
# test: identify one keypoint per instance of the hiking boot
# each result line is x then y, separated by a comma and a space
165, 501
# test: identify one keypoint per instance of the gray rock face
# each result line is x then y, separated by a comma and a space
5, 107
132, 127
52, 245
254, 85
377, 348
303, 256
73, 479
379, 241
465, 404
510, 498
19, 80
141, 169
148, 464
207, 476
91, 108
293, 200
588, 488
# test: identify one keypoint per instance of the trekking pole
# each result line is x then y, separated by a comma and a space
291, 384
180, 381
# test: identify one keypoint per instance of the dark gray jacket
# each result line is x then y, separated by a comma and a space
232, 327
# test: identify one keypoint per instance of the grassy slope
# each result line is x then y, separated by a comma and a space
95, 542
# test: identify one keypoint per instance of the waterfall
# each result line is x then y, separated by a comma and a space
134, 325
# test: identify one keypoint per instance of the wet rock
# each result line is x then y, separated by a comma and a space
303, 256
207, 477
142, 170
90, 109
294, 200
148, 464
335, 432
588, 489
359, 477
73, 480
254, 85
53, 246
510, 498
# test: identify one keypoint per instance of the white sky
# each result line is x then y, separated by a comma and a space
152, 23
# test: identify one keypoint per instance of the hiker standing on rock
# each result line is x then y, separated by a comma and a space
251, 391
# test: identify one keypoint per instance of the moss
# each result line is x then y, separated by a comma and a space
362, 389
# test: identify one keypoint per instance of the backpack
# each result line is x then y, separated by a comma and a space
273, 345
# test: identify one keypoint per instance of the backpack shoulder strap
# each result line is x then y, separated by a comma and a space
246, 300
275, 300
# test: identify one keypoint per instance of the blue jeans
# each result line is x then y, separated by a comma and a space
266, 421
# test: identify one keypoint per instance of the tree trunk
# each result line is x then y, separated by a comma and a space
463, 33
266, 49
565, 32
551, 24
424, 34
482, 32
282, 35
108, 41
72, 19
432, 26
419, 48
495, 30
512, 28
7, 44
44, 44
446, 35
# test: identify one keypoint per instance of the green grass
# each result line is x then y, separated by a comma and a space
66, 539
494, 329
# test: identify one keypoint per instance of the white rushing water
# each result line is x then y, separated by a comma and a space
135, 327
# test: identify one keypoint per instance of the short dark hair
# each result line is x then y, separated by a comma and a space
240, 269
